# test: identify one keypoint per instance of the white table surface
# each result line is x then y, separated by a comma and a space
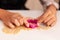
51, 34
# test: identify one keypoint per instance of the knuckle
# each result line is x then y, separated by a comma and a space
42, 18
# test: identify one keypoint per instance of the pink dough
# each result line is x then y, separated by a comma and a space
32, 23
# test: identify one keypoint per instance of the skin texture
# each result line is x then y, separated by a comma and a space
49, 16
12, 19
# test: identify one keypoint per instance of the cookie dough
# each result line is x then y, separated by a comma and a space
18, 29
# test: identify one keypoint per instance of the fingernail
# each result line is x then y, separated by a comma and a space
11, 26
17, 23
52, 25
27, 25
38, 24
21, 22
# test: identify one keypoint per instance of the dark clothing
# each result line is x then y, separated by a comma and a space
59, 5
13, 4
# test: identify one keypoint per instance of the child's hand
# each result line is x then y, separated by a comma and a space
49, 16
11, 19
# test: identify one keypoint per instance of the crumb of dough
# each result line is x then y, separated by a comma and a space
43, 27
14, 31
17, 29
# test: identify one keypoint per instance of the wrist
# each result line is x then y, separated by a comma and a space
2, 13
51, 8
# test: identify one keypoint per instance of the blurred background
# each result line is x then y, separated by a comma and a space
21, 4
59, 4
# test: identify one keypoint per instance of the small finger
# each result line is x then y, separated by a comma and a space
50, 21
53, 23
26, 23
41, 19
38, 24
9, 24
48, 18
21, 21
15, 21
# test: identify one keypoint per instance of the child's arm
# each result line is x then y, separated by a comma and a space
49, 15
